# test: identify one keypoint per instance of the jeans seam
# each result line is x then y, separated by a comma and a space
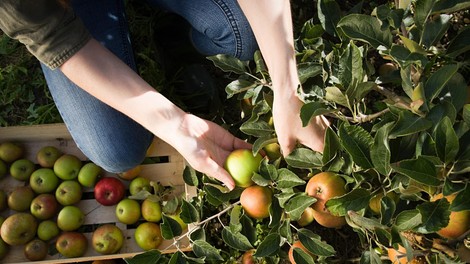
236, 30
124, 31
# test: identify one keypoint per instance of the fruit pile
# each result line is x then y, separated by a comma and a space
42, 211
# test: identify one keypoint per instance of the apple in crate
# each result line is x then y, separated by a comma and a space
107, 239
109, 191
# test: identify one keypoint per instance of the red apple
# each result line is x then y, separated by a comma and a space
109, 191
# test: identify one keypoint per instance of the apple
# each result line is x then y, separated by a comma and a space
43, 180
44, 206
22, 169
324, 186
131, 173
36, 250
307, 217
69, 192
139, 184
72, 244
387, 68
89, 174
107, 239
256, 201
375, 202
3, 200
4, 248
148, 236
247, 257
3, 169
241, 164
297, 244
399, 256
70, 218
20, 198
459, 221
109, 191
67, 167
151, 210
18, 229
10, 151
273, 151
47, 156
177, 218
128, 211
47, 230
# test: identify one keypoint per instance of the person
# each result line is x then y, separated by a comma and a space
113, 114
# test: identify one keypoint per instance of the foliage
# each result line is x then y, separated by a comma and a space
405, 131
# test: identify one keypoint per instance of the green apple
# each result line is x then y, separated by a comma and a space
69, 192
44, 206
70, 218
273, 151
151, 210
36, 250
128, 211
3, 169
20, 198
47, 156
139, 184
10, 151
178, 219
18, 229
43, 180
107, 239
307, 217
22, 169
67, 167
241, 164
4, 248
47, 230
72, 244
3, 200
89, 174
148, 236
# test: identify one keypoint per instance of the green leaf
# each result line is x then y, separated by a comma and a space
460, 43
284, 197
350, 69
189, 176
438, 80
189, 213
359, 91
421, 170
301, 257
357, 142
312, 109
450, 6
435, 216
447, 142
297, 204
466, 114
408, 219
259, 61
151, 256
332, 145
435, 29
304, 158
276, 213
236, 240
329, 14
203, 249
307, 70
269, 171
408, 124
334, 94
365, 28
288, 179
370, 257
170, 227
355, 200
269, 246
176, 258
461, 202
380, 151
313, 243
263, 141
363, 222
423, 9
258, 128
239, 86
228, 63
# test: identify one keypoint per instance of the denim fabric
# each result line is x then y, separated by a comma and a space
106, 136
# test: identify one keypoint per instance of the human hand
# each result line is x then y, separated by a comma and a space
206, 145
289, 129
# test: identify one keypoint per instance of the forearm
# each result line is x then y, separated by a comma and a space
274, 33
103, 75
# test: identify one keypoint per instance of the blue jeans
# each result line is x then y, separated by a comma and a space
106, 136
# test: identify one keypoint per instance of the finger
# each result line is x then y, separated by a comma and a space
241, 144
216, 171
287, 146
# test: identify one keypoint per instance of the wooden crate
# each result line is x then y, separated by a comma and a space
168, 171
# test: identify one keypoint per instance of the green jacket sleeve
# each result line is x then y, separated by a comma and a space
50, 31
